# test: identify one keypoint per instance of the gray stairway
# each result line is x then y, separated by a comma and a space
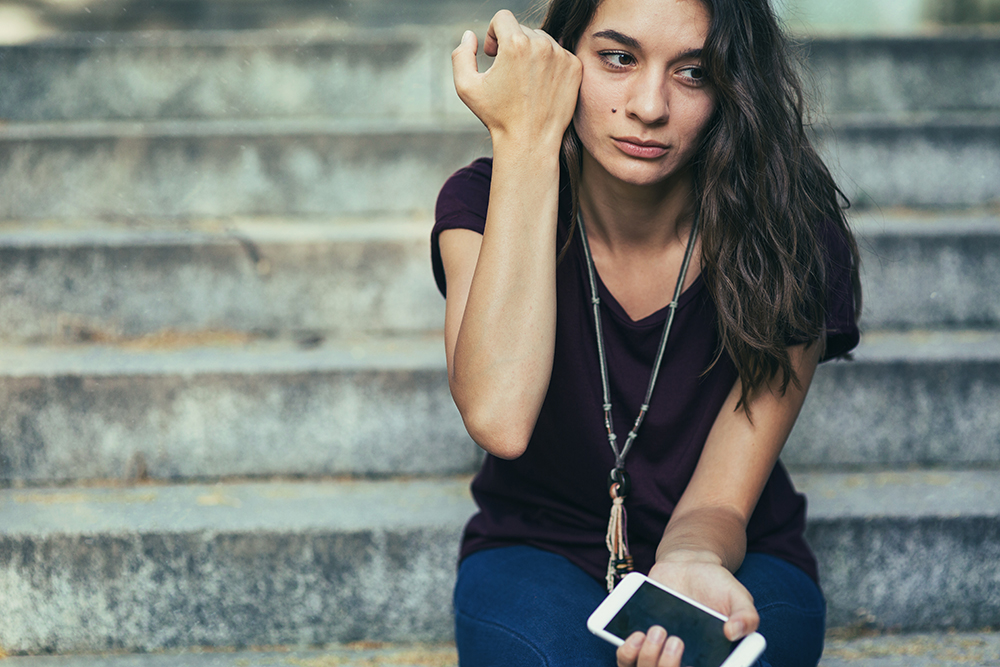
227, 421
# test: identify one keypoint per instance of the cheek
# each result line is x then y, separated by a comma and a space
699, 114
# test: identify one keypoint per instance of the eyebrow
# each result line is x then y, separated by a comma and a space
633, 43
616, 36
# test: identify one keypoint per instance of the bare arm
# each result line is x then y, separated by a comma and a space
705, 540
501, 310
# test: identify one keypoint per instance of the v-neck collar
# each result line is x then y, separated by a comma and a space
656, 318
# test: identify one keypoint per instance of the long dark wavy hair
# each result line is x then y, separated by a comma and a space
762, 193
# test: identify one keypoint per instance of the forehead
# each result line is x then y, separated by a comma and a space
677, 23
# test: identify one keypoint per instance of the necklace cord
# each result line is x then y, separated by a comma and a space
605, 385
620, 560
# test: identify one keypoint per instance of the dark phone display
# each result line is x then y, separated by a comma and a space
704, 643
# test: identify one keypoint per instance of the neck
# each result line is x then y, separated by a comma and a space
623, 216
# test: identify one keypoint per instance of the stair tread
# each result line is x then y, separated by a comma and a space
247, 506
352, 505
901, 494
160, 356
944, 649
218, 354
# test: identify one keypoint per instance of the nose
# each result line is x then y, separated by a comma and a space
648, 98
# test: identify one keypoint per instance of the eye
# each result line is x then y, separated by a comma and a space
693, 74
617, 59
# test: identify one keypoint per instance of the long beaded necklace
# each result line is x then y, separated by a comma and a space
620, 560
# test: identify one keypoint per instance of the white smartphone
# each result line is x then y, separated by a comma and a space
638, 603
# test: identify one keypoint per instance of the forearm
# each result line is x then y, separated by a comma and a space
711, 516
505, 342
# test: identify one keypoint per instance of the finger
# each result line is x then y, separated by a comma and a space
673, 650
740, 625
628, 652
743, 619
541, 33
503, 25
463, 60
649, 654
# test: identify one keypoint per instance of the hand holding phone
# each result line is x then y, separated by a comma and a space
638, 603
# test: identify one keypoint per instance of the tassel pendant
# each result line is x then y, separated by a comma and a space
619, 560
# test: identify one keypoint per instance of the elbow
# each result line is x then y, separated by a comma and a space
497, 434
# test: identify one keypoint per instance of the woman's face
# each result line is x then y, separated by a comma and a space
643, 102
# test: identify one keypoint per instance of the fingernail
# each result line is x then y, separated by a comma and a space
657, 634
673, 645
636, 639
466, 35
737, 629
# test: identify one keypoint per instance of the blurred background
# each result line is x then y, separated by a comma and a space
225, 416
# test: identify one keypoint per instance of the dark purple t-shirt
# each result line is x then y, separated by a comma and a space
555, 495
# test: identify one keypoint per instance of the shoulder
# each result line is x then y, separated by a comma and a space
840, 252
461, 204
464, 198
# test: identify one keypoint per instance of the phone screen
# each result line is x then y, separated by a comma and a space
704, 643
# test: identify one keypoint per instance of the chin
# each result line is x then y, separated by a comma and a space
642, 173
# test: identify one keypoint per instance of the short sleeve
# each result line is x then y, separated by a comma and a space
842, 334
461, 204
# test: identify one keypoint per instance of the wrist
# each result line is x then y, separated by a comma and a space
539, 151
687, 555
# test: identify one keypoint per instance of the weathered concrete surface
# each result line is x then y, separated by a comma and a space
907, 73
294, 279
88, 281
406, 72
228, 565
217, 169
909, 551
362, 654
272, 74
981, 649
153, 567
959, 649
383, 407
258, 14
929, 271
917, 160
351, 407
212, 169
907, 399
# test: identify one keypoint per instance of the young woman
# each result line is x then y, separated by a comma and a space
641, 148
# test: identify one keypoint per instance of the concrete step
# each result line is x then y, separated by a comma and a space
918, 398
200, 408
918, 160
932, 271
946, 649
122, 15
907, 551
809, 16
161, 567
877, 73
220, 168
208, 407
78, 282
327, 167
359, 654
970, 649
405, 73
249, 278
343, 73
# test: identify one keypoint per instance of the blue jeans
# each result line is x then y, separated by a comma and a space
521, 606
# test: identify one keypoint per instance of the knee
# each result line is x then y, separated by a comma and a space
483, 643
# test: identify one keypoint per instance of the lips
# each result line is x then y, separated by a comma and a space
641, 148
